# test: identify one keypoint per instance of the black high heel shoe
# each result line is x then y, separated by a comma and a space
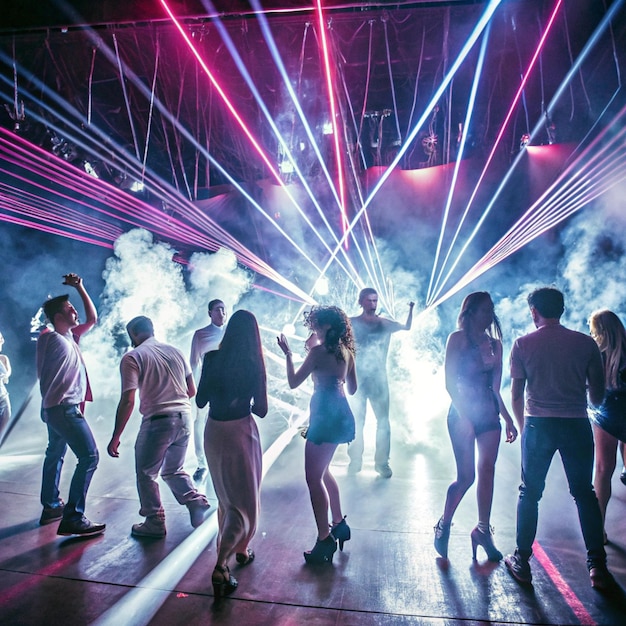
442, 537
245, 559
224, 583
485, 540
341, 532
322, 551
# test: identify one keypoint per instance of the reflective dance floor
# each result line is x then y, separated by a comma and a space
388, 574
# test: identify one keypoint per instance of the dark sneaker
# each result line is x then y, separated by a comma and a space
601, 579
82, 527
199, 475
198, 510
519, 568
384, 471
51, 514
152, 527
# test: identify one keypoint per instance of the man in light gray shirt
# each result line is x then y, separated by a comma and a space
163, 377
554, 369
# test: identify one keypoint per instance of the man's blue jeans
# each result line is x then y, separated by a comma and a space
68, 427
572, 437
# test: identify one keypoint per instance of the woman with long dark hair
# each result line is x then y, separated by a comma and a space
331, 364
473, 370
233, 382
609, 419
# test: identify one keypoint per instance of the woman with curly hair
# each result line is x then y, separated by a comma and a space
609, 419
331, 364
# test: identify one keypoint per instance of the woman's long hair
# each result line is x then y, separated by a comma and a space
240, 359
469, 307
608, 331
339, 335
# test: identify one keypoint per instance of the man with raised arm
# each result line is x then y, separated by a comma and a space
372, 334
64, 390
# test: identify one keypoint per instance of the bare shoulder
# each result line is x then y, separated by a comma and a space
317, 352
456, 339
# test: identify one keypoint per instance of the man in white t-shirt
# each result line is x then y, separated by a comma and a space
64, 390
165, 383
204, 340
372, 335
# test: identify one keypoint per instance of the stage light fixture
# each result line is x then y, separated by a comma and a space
524, 141
286, 167
90, 169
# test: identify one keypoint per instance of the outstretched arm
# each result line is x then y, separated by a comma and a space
296, 378
409, 317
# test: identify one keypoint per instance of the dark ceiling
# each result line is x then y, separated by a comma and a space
34, 14
112, 87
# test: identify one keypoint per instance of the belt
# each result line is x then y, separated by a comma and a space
152, 418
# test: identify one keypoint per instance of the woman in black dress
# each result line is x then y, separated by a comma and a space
233, 382
331, 364
473, 366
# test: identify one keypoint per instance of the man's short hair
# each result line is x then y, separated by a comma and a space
140, 325
368, 291
54, 305
214, 303
548, 301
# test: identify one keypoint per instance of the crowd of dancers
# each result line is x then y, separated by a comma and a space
557, 375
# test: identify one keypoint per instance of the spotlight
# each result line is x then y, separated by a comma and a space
524, 141
289, 330
37, 324
90, 169
321, 286
286, 167
327, 128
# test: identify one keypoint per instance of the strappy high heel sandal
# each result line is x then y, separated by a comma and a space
341, 532
245, 559
322, 551
485, 540
224, 583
